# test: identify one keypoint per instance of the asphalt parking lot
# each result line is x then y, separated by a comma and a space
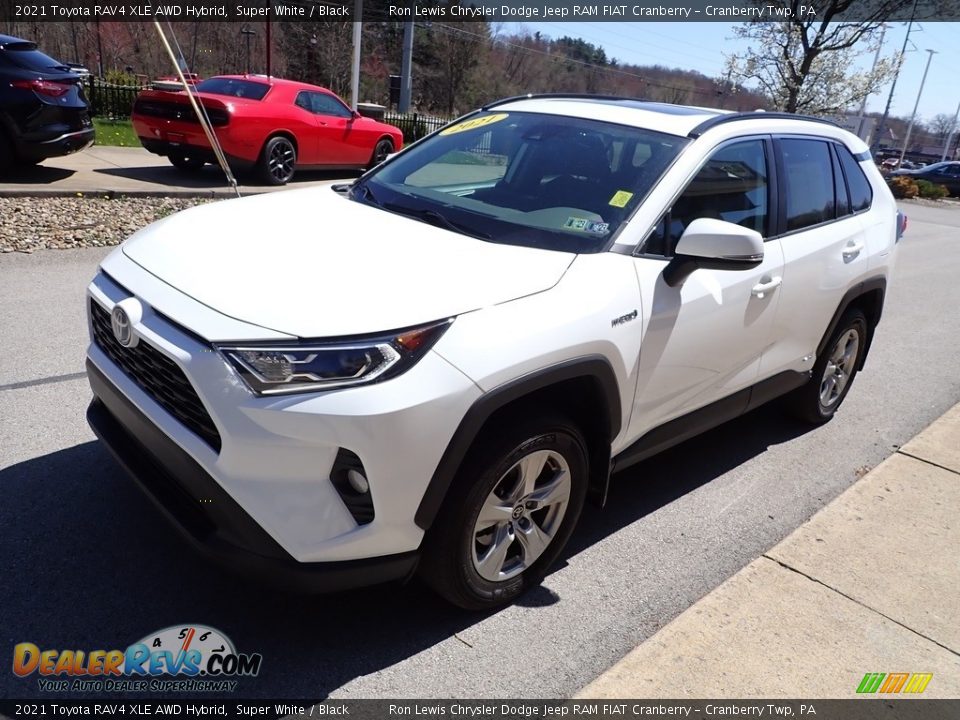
88, 563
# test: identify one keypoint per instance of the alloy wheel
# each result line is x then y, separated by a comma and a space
521, 515
839, 368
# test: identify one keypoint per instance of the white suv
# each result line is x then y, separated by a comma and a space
432, 368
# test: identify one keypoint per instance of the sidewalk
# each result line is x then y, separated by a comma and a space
134, 172
871, 583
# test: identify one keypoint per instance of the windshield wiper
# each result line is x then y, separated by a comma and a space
432, 217
367, 196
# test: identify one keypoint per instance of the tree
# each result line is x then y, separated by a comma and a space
805, 65
941, 125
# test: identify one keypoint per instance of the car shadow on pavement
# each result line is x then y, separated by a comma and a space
88, 563
656, 482
35, 175
212, 177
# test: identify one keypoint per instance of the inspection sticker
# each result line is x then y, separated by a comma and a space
590, 226
621, 198
474, 123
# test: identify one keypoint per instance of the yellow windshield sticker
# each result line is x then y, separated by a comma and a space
621, 198
474, 123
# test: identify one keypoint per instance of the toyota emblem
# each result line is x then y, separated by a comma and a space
122, 327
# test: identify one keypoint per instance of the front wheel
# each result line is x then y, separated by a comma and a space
382, 150
834, 371
278, 161
508, 514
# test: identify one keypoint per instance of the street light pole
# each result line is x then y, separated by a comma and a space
953, 131
923, 80
355, 69
863, 105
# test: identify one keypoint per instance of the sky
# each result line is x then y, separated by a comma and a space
701, 47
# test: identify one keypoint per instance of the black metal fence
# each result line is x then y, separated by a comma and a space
415, 125
108, 100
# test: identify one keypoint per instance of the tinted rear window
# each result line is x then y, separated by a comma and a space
26, 56
234, 88
809, 182
861, 194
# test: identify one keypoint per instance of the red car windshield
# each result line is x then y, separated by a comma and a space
233, 87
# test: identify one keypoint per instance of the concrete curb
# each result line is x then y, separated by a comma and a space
871, 583
115, 194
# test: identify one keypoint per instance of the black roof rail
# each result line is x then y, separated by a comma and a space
560, 96
711, 123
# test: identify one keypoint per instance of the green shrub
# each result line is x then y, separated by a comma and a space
903, 187
931, 191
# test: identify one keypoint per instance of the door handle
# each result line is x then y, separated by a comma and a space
766, 285
852, 250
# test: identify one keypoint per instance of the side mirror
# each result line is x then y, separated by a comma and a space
715, 245
356, 115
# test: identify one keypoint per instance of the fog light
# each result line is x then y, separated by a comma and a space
357, 481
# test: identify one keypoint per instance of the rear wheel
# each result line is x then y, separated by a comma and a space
277, 161
834, 371
7, 156
186, 162
508, 514
381, 151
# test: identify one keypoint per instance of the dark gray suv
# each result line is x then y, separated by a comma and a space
43, 110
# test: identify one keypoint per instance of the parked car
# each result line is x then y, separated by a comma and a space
265, 124
432, 368
79, 69
43, 110
941, 173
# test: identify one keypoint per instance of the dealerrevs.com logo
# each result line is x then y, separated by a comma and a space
188, 658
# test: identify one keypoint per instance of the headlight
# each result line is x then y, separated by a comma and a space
313, 366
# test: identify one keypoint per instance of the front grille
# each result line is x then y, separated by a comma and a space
158, 376
178, 111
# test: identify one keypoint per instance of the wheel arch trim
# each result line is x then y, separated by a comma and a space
872, 285
592, 367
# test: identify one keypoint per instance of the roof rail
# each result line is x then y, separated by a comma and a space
711, 123
560, 96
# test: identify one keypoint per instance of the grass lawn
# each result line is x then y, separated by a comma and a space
115, 132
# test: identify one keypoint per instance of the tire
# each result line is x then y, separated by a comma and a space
186, 163
383, 148
277, 161
8, 159
483, 563
832, 376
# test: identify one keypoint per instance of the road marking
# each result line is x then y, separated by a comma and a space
43, 381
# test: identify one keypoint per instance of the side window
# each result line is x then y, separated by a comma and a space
842, 198
861, 193
303, 101
808, 181
732, 186
324, 104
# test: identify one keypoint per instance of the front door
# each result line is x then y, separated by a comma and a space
705, 338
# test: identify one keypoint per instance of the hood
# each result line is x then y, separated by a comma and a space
312, 263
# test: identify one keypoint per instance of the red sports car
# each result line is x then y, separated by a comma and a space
273, 126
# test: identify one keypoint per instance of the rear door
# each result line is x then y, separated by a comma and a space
824, 247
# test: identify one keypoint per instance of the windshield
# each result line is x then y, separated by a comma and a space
532, 179
233, 88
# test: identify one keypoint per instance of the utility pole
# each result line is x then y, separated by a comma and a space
355, 71
906, 140
247, 33
406, 70
893, 85
863, 105
953, 131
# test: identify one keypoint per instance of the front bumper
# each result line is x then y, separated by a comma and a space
206, 515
